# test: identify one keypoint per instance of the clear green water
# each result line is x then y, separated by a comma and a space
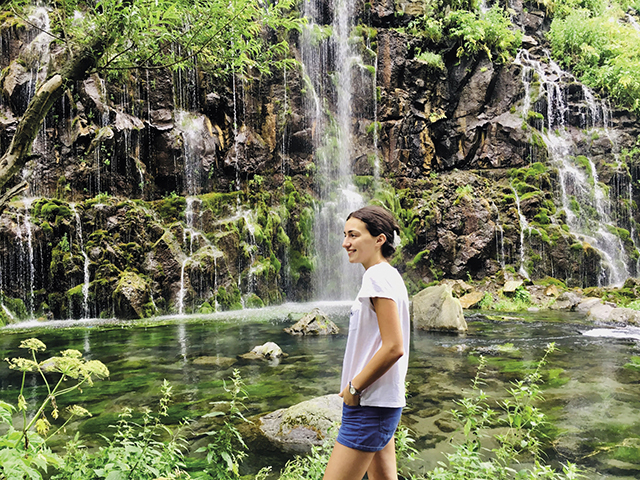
592, 399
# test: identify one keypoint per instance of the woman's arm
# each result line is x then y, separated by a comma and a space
389, 353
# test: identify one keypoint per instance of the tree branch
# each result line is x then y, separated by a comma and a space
12, 192
37, 27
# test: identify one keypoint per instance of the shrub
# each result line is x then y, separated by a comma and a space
133, 453
523, 434
24, 453
602, 52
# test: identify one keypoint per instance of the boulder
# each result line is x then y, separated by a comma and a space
434, 308
458, 287
298, 428
586, 304
600, 312
471, 299
551, 291
511, 286
313, 323
624, 315
566, 301
130, 296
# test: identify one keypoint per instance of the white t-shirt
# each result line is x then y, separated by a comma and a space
382, 281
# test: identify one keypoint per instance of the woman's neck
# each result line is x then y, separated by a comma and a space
375, 261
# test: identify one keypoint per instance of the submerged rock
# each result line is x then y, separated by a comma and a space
434, 308
210, 361
313, 323
299, 427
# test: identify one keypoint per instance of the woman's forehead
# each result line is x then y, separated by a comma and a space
355, 224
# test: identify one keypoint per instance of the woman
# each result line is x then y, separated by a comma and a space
377, 353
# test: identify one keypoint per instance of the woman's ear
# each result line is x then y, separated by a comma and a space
382, 238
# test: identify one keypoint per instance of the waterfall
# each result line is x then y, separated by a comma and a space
283, 149
625, 217
192, 128
252, 249
587, 206
188, 235
328, 107
199, 253
235, 135
28, 231
85, 283
500, 255
37, 53
524, 225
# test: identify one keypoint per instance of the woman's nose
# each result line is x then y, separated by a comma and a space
345, 242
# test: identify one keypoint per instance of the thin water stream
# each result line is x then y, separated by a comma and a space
591, 398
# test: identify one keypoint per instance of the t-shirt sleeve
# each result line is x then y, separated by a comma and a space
374, 284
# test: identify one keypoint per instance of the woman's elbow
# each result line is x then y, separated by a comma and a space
396, 352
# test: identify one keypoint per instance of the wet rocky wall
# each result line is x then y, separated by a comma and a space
179, 193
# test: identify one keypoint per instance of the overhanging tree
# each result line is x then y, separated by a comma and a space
111, 37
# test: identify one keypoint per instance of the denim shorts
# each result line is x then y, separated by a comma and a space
368, 429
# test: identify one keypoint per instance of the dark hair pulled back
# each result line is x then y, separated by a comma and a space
379, 220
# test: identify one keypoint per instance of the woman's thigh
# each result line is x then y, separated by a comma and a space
383, 464
347, 463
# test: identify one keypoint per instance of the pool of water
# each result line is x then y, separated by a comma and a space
591, 397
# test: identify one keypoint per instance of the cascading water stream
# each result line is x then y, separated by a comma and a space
37, 53
32, 270
188, 235
632, 20
586, 205
500, 254
86, 279
600, 112
322, 45
524, 225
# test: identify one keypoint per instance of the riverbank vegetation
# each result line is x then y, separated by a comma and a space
143, 446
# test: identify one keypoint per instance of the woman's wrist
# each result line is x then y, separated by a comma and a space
354, 391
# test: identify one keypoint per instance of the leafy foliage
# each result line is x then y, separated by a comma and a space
521, 300
602, 50
227, 449
222, 38
470, 30
135, 452
24, 453
486, 33
524, 424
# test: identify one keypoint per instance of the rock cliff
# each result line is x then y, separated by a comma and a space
205, 193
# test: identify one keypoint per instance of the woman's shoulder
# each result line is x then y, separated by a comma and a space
384, 273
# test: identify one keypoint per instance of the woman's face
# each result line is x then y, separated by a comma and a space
360, 245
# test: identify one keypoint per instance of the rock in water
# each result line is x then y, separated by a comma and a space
298, 428
434, 308
313, 323
270, 352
